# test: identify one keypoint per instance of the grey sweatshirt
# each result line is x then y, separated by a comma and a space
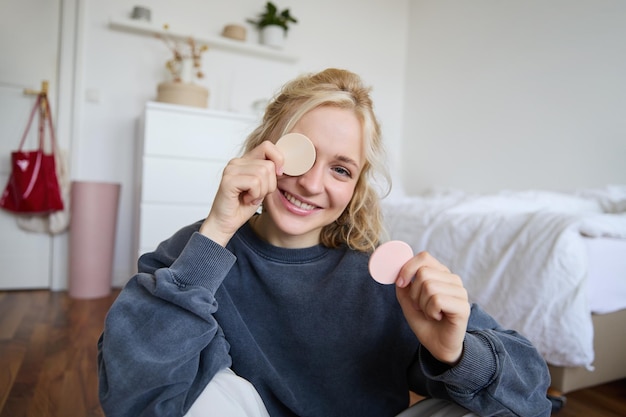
309, 328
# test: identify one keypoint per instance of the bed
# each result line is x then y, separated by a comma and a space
550, 265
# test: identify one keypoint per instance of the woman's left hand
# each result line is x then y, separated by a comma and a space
435, 305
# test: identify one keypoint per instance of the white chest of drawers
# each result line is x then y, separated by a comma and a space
182, 152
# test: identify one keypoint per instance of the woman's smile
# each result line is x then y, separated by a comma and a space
295, 201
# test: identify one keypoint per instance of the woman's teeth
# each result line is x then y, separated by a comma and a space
297, 202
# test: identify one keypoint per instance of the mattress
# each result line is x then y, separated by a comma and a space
606, 275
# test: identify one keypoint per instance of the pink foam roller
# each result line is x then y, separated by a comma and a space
93, 211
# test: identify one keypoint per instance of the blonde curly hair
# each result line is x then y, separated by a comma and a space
360, 225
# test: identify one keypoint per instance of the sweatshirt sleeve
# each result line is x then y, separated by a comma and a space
161, 345
500, 372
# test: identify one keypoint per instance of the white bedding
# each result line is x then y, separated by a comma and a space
522, 256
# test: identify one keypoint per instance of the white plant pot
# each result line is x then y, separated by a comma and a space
273, 36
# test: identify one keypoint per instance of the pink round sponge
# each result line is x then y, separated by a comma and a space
387, 260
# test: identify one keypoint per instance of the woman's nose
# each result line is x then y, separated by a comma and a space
313, 180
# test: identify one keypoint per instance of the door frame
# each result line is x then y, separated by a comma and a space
69, 104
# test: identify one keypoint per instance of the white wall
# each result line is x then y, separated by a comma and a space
479, 95
119, 72
515, 94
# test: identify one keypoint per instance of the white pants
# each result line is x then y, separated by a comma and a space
436, 408
228, 395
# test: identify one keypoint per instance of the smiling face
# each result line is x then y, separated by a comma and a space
294, 215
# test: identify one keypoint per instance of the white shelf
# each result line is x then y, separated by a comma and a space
146, 28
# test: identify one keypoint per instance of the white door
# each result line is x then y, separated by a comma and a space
29, 50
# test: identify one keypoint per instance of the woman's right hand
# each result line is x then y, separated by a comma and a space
245, 183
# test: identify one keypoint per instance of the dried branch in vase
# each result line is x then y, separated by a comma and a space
184, 53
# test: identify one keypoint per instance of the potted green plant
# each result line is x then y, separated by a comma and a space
273, 25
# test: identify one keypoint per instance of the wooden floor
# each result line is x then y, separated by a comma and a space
48, 354
48, 360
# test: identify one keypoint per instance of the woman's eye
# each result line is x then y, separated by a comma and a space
342, 171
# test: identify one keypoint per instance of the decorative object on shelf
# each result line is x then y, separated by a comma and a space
184, 54
140, 13
185, 67
186, 94
233, 31
273, 25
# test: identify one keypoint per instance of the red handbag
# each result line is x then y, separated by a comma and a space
33, 186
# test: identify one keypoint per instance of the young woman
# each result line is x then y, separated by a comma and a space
284, 299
